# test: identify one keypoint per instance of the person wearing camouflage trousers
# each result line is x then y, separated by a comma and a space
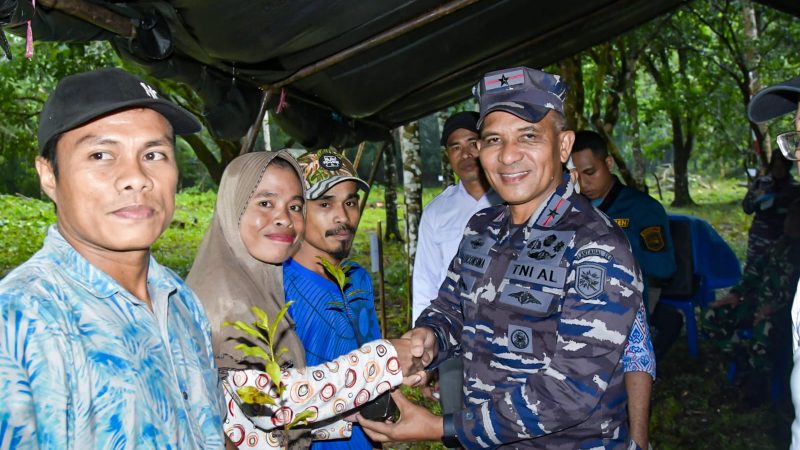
744, 322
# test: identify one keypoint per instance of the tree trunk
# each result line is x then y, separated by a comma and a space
680, 162
265, 132
571, 69
392, 232
752, 58
448, 177
632, 109
412, 185
204, 154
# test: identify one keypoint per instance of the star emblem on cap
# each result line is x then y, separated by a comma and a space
503, 80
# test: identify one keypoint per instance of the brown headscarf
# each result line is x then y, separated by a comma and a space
228, 280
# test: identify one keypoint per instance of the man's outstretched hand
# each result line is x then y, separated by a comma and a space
424, 347
416, 424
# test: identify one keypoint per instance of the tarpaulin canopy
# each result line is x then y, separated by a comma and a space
427, 53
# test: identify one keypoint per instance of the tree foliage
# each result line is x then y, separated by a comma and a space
24, 88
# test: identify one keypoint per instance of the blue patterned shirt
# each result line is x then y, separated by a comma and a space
84, 364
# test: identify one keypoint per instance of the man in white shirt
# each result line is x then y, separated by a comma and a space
768, 104
441, 229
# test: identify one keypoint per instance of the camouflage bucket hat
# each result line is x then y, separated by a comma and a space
325, 168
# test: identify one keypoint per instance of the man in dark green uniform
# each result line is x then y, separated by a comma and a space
752, 322
645, 224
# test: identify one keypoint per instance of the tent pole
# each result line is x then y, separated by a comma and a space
250, 139
374, 41
359, 154
95, 15
374, 172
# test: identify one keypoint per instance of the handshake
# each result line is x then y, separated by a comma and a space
416, 350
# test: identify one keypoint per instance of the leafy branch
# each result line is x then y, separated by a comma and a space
263, 330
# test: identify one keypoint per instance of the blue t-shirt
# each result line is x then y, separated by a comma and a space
327, 324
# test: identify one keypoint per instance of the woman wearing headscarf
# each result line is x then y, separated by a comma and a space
257, 225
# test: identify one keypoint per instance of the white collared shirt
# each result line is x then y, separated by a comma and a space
440, 231
794, 381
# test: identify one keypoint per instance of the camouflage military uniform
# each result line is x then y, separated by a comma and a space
542, 312
768, 282
769, 200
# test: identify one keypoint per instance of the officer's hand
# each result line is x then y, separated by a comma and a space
412, 372
728, 300
416, 424
430, 386
423, 345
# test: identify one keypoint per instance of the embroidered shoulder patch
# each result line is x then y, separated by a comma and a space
623, 223
590, 280
653, 238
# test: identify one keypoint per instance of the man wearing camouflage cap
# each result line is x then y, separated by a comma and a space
328, 323
540, 298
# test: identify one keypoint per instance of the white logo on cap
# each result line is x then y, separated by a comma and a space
331, 162
149, 91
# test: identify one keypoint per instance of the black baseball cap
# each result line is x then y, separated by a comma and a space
81, 98
527, 93
774, 101
467, 120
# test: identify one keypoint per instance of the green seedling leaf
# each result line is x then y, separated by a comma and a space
274, 326
253, 396
335, 271
274, 372
239, 325
262, 316
254, 351
356, 292
301, 418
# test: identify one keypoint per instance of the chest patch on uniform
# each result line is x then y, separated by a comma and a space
475, 262
590, 280
527, 270
519, 339
623, 223
593, 252
548, 245
653, 238
475, 252
527, 299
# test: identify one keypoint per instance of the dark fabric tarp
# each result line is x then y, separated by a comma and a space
225, 50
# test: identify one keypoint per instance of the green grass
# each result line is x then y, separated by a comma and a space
693, 408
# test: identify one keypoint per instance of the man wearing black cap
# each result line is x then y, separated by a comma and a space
101, 346
540, 298
769, 104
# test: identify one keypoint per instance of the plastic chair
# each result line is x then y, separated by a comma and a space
704, 263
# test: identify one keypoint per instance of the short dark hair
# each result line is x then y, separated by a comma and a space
49, 153
588, 139
559, 120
